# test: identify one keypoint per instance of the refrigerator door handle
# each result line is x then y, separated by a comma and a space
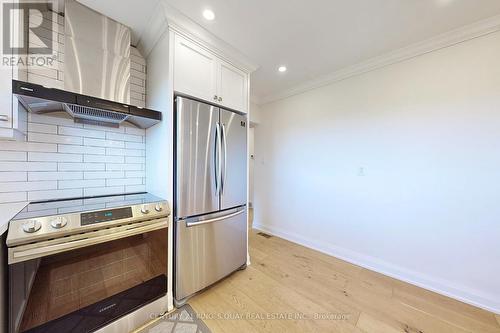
217, 159
225, 155
217, 219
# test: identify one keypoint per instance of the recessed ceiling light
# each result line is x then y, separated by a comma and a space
208, 14
282, 69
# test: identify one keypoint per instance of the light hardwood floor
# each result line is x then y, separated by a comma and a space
287, 279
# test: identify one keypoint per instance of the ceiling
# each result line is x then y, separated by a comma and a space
314, 37
133, 13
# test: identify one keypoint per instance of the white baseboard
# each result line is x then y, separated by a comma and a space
442, 287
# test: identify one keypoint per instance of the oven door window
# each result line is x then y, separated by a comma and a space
84, 289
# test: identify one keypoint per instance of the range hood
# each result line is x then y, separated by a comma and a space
96, 74
84, 109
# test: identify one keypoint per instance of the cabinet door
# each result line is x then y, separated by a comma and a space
194, 70
232, 87
6, 97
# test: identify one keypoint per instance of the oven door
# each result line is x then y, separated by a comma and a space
83, 282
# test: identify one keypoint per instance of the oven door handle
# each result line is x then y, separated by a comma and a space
42, 249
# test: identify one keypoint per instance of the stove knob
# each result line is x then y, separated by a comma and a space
31, 226
158, 208
59, 222
145, 209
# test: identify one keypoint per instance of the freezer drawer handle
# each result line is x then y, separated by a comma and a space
217, 219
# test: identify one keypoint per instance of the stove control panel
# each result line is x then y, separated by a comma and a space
105, 215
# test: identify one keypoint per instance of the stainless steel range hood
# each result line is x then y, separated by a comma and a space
84, 109
96, 74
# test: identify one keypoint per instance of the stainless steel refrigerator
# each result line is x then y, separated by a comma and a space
210, 195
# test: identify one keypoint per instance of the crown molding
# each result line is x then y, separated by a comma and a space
167, 17
156, 27
183, 25
447, 39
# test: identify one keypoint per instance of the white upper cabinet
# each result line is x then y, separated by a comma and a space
200, 73
232, 87
194, 70
13, 117
6, 97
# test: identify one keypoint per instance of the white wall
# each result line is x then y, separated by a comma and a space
159, 148
255, 113
396, 169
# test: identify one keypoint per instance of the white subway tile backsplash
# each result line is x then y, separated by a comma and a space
42, 128
135, 95
123, 137
120, 129
81, 166
13, 197
27, 146
104, 190
54, 157
58, 175
13, 156
135, 131
103, 143
137, 74
13, 176
27, 186
64, 184
124, 152
137, 82
45, 81
123, 167
28, 166
104, 159
135, 174
64, 159
135, 188
54, 138
137, 58
137, 66
54, 119
72, 149
137, 102
103, 175
54, 194
124, 181
135, 159
137, 88
81, 132
135, 145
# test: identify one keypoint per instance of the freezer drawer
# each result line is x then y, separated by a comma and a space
209, 250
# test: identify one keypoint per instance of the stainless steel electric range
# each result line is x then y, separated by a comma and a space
76, 265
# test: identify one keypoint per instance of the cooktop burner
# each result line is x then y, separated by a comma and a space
86, 204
